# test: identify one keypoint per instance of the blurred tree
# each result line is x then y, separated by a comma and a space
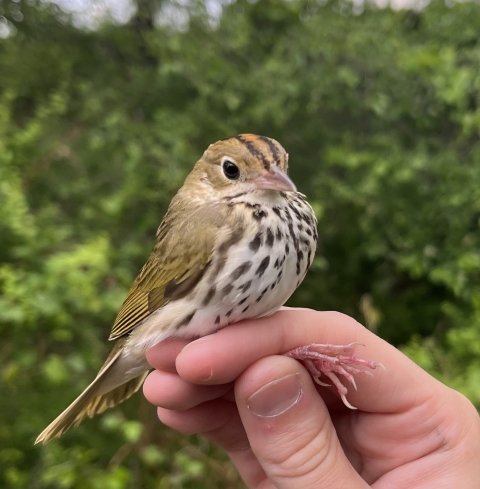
379, 111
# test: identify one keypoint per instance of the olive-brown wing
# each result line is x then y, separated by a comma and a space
176, 265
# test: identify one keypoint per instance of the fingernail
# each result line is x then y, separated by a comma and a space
276, 398
208, 376
199, 340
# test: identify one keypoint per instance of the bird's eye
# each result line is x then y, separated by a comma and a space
230, 170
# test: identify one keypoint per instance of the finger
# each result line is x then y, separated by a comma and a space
220, 422
162, 356
172, 392
221, 357
289, 428
234, 348
210, 416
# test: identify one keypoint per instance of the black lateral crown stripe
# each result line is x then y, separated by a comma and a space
273, 148
254, 151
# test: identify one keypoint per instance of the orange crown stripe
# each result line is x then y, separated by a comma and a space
249, 137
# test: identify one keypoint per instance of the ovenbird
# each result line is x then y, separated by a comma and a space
235, 243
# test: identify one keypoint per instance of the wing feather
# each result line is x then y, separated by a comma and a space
177, 263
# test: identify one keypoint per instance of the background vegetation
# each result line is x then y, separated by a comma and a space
379, 110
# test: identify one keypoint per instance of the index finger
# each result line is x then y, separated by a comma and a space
223, 356
162, 356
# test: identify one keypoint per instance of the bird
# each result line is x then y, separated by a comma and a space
235, 243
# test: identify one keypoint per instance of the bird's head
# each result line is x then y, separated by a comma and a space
242, 164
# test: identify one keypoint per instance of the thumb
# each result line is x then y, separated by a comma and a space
289, 427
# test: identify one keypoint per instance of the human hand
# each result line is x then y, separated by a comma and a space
281, 430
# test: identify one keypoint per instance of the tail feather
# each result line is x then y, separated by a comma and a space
114, 397
91, 401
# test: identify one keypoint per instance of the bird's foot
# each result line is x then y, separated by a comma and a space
331, 360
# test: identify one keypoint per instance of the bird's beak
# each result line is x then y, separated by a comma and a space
275, 179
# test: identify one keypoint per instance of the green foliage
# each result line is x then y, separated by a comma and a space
379, 111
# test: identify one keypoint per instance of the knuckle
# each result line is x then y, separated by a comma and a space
298, 457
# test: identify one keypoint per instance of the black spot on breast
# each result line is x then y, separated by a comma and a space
276, 264
229, 313
264, 291
277, 211
256, 242
239, 271
227, 289
245, 286
295, 211
279, 276
293, 236
185, 321
308, 231
307, 218
287, 249
278, 235
270, 238
263, 266
273, 285
292, 231
243, 300
259, 213
299, 260
246, 308
217, 320
223, 249
209, 295
235, 237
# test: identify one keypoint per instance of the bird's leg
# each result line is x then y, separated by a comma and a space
331, 361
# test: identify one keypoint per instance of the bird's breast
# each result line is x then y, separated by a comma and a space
257, 265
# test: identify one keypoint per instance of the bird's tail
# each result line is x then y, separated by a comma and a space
93, 400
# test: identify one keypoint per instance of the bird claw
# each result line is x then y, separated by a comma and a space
344, 399
331, 360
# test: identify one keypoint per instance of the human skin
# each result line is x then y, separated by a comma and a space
281, 430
